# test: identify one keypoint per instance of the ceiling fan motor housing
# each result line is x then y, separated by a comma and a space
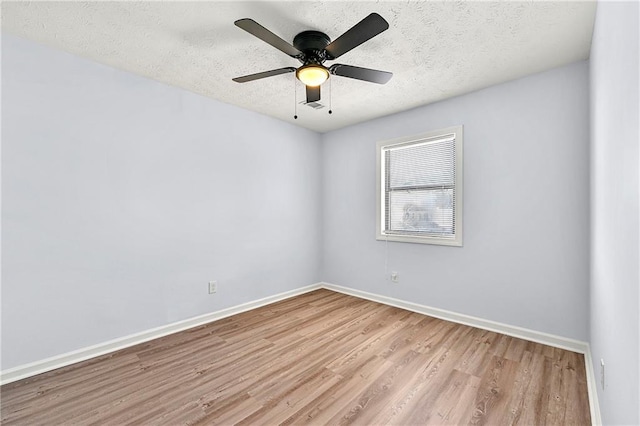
312, 44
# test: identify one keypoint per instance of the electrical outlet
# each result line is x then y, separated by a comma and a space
213, 287
394, 277
602, 373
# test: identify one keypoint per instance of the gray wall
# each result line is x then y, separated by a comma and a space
615, 217
122, 197
526, 200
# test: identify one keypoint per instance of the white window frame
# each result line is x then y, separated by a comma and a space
457, 133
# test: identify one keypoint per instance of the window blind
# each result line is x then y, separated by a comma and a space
420, 188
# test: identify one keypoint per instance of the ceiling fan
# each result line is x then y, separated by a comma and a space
313, 48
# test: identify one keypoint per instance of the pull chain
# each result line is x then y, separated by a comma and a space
330, 96
295, 99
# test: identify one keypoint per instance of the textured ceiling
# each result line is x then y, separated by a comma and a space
435, 50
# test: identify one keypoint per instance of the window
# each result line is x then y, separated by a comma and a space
419, 188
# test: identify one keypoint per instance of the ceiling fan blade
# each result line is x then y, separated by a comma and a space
313, 93
364, 74
252, 27
368, 28
264, 74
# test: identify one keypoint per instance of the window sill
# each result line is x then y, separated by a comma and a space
421, 240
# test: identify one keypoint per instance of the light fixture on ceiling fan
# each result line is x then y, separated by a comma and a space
312, 74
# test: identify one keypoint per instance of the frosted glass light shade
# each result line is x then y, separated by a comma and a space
312, 75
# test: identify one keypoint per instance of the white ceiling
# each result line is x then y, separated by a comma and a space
435, 49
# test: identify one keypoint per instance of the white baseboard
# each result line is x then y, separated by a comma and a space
48, 364
592, 386
58, 361
510, 330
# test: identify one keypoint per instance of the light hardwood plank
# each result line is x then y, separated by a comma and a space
318, 358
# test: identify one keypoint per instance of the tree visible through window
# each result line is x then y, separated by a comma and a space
420, 188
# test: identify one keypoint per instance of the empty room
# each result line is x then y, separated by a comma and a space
320, 212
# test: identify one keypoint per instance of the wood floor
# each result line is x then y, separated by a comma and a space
318, 358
